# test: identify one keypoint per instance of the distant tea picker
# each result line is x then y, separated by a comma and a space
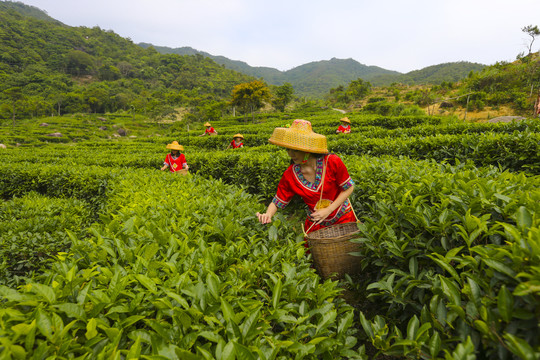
209, 130
175, 161
345, 126
236, 142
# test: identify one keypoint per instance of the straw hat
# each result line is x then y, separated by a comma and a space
238, 136
299, 136
175, 146
345, 119
207, 124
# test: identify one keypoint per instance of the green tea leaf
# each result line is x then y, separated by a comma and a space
278, 287
72, 310
91, 329
499, 266
44, 324
505, 303
435, 344
243, 353
451, 290
147, 282
45, 291
523, 218
227, 310
520, 347
412, 328
134, 350
213, 284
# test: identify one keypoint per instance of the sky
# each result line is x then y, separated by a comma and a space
399, 35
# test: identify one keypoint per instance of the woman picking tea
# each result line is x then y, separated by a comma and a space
319, 178
175, 160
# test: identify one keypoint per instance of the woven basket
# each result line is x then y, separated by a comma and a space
182, 172
330, 248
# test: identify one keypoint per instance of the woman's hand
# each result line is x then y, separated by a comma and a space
319, 215
264, 218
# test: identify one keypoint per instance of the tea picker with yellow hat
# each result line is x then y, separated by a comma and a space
175, 160
319, 178
345, 126
236, 142
209, 130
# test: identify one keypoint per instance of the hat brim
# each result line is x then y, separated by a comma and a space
296, 147
290, 139
175, 147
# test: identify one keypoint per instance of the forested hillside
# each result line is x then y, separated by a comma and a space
47, 67
315, 79
312, 80
436, 74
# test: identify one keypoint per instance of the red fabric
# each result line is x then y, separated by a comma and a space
234, 146
209, 130
344, 129
336, 180
175, 164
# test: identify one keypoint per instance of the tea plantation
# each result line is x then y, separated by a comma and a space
103, 256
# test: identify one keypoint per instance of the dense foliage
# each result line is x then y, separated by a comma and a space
125, 260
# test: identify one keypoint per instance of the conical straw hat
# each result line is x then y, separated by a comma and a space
175, 146
299, 136
238, 136
345, 119
207, 124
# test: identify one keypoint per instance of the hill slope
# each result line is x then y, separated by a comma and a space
48, 67
315, 79
436, 74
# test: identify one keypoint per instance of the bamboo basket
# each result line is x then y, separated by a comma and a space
330, 248
182, 172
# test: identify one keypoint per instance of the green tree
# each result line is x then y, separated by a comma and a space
250, 96
78, 62
282, 96
359, 89
15, 95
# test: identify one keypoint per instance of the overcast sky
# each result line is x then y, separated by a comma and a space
400, 35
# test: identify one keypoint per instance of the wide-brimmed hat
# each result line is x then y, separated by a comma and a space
299, 136
175, 146
238, 136
207, 124
345, 119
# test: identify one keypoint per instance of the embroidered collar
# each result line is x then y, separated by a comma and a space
318, 175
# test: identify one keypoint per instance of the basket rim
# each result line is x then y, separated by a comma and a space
309, 235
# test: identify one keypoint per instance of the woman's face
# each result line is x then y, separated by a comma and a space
175, 152
296, 156
237, 139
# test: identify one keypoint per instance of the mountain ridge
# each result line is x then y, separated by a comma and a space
319, 77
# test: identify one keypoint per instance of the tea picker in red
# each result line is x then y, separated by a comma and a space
323, 182
319, 178
345, 126
236, 142
175, 161
209, 130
